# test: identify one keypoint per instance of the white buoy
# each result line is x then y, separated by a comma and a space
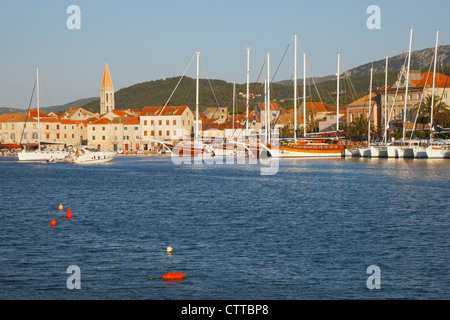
169, 250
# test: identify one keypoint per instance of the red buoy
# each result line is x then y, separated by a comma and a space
174, 276
68, 214
53, 223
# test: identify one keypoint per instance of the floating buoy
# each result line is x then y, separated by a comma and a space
169, 250
174, 276
60, 206
68, 214
53, 223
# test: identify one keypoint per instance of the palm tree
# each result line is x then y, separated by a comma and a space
441, 112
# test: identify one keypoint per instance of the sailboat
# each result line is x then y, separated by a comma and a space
366, 152
405, 150
380, 150
436, 149
314, 146
39, 155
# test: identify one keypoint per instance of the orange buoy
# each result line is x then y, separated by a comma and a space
68, 214
60, 206
53, 223
174, 276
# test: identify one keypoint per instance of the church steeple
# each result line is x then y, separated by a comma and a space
106, 92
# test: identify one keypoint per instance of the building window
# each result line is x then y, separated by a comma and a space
73, 136
103, 138
93, 137
103, 128
160, 122
145, 133
174, 122
167, 122
57, 136
167, 133
46, 127
93, 128
152, 122
152, 133
57, 127
160, 133
24, 135
145, 122
125, 128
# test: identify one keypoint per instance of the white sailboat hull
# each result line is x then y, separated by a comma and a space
405, 152
365, 152
291, 154
378, 152
42, 155
352, 153
392, 151
420, 152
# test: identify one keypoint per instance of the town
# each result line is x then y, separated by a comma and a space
134, 131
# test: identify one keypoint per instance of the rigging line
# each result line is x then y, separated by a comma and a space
209, 81
215, 111
421, 99
181, 78
395, 98
26, 118
251, 97
440, 101
279, 106
267, 105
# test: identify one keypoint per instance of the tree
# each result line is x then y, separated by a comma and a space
441, 112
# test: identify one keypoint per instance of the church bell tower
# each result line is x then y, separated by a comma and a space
106, 93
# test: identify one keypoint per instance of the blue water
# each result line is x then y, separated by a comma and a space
308, 232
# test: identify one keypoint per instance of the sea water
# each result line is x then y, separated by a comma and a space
309, 231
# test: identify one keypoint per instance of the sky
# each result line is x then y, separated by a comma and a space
150, 40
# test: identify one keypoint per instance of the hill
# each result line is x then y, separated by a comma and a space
213, 93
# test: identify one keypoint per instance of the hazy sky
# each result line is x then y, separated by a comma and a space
150, 40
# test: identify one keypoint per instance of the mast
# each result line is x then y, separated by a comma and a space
234, 99
196, 98
295, 88
385, 102
337, 92
248, 84
38, 108
268, 99
370, 107
304, 95
407, 82
434, 83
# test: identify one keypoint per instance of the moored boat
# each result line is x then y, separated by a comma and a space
87, 155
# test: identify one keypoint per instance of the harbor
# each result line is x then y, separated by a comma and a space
224, 159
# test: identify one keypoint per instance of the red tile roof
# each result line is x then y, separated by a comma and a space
319, 107
34, 114
131, 120
15, 117
164, 111
427, 80
101, 121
